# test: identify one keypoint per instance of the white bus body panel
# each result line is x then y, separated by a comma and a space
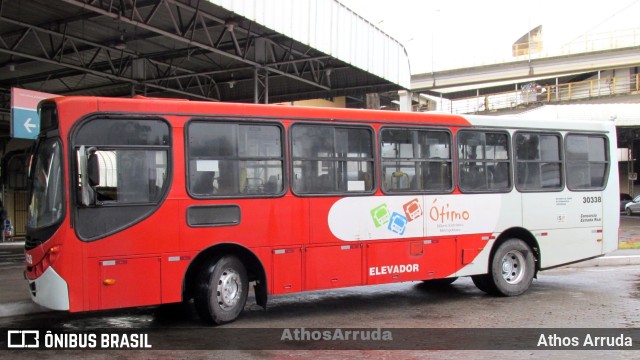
568, 225
51, 290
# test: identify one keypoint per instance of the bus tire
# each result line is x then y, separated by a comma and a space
484, 283
222, 291
512, 268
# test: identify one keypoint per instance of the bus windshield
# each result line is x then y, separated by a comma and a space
45, 206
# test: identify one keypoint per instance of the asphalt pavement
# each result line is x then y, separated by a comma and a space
16, 300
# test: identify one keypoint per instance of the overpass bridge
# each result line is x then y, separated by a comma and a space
603, 76
526, 70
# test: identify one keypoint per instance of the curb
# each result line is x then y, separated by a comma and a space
609, 261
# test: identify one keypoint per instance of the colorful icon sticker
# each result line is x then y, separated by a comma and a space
412, 209
398, 223
380, 215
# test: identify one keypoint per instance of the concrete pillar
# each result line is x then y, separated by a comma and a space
373, 101
623, 81
405, 100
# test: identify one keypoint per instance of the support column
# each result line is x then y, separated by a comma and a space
622, 81
260, 86
405, 100
260, 75
373, 101
630, 170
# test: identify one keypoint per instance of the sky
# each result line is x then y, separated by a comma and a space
442, 34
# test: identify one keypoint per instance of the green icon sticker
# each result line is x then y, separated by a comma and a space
380, 215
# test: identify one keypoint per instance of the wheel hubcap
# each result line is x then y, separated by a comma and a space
513, 267
229, 289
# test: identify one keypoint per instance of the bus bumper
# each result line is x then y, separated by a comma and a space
50, 290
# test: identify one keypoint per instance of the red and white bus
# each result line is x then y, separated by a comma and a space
138, 202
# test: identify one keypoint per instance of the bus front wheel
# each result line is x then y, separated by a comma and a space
222, 290
512, 269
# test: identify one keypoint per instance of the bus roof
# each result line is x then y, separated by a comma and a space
200, 108
164, 106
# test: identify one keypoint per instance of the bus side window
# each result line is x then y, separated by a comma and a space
330, 159
204, 182
499, 176
271, 187
484, 161
538, 161
438, 176
227, 182
474, 178
244, 156
416, 160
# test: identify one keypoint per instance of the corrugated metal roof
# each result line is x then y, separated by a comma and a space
332, 28
195, 50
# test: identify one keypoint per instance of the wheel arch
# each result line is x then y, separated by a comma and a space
253, 265
524, 235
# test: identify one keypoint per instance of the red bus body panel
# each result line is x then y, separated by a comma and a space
146, 263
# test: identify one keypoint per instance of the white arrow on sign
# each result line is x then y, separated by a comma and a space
28, 125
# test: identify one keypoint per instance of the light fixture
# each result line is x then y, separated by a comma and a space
121, 45
230, 24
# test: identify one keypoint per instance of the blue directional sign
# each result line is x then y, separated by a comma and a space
25, 124
25, 121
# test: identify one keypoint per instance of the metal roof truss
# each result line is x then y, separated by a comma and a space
222, 46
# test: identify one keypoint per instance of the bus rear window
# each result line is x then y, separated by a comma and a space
587, 161
538, 161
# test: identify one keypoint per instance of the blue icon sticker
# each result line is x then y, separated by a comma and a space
398, 223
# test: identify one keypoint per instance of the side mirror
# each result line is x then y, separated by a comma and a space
93, 170
88, 179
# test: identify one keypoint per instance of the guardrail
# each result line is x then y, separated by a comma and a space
534, 94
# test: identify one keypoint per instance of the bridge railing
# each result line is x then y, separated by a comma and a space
600, 41
533, 94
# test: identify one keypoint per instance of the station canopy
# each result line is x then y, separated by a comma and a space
219, 50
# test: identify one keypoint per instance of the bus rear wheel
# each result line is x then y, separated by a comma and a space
222, 291
484, 283
512, 269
